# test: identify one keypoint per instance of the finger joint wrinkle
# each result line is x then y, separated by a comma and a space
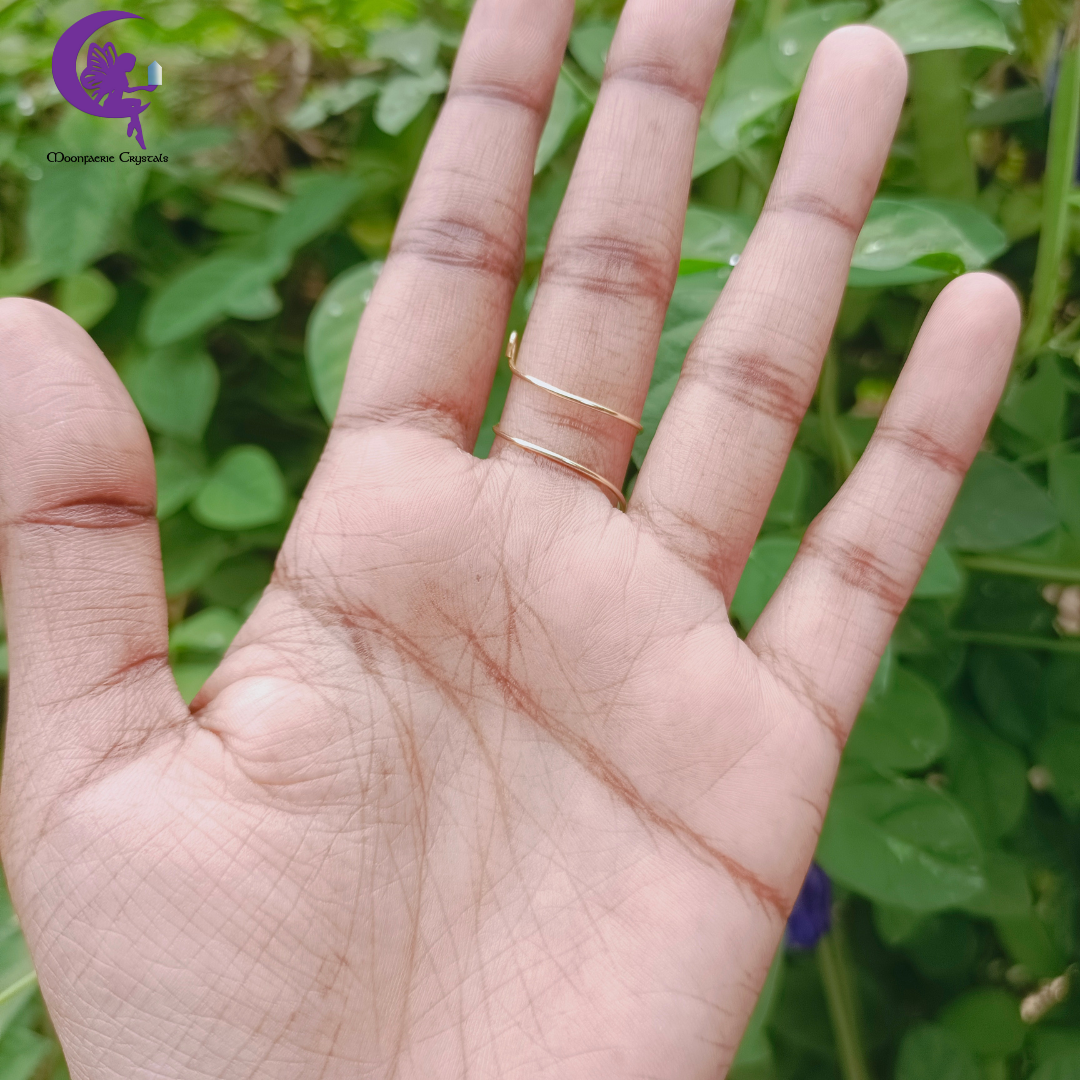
924, 447
859, 568
501, 93
447, 419
613, 267
753, 379
662, 77
817, 207
101, 513
463, 244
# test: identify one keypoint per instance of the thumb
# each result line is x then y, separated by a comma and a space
79, 559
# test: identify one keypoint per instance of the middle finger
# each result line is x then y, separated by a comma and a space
613, 257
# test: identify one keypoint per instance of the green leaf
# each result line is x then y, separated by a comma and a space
942, 577
175, 388
897, 925
695, 295
908, 240
932, 1051
331, 99
789, 498
1036, 406
1028, 940
926, 25
1008, 685
708, 153
331, 330
245, 491
999, 506
1059, 753
322, 198
1021, 103
21, 1053
589, 45
190, 676
253, 196
403, 97
86, 297
693, 299
755, 1047
904, 729
17, 983
566, 108
769, 561
713, 238
1065, 489
24, 277
203, 294
415, 47
989, 776
1007, 893
547, 197
900, 842
76, 216
659, 395
765, 75
210, 630
189, 553
237, 581
987, 1021
793, 42
1063, 1066
263, 303
741, 119
1063, 689
181, 471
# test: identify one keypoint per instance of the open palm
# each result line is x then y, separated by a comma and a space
487, 786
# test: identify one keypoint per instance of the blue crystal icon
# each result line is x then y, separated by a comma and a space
153, 74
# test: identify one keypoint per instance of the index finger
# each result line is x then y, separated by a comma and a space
430, 338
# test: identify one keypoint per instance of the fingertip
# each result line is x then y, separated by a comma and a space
991, 293
864, 50
985, 307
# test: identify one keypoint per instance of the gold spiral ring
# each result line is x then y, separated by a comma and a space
511, 355
609, 488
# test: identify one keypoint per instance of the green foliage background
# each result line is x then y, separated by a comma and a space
226, 285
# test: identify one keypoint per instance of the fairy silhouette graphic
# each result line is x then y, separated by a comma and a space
105, 79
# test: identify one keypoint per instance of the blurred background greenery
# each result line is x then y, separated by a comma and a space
226, 284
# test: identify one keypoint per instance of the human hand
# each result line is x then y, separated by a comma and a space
487, 785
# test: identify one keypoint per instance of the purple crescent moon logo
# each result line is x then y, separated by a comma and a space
100, 89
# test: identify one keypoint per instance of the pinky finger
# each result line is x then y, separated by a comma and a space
826, 627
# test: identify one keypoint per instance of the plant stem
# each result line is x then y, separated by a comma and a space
1069, 646
579, 81
1060, 168
843, 459
774, 12
1003, 564
17, 986
940, 105
840, 993
1047, 452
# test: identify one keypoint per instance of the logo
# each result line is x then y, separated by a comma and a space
100, 89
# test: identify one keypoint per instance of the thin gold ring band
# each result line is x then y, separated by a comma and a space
511, 355
595, 477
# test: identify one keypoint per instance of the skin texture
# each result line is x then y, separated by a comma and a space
487, 786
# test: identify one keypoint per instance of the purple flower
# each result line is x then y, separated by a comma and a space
811, 916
